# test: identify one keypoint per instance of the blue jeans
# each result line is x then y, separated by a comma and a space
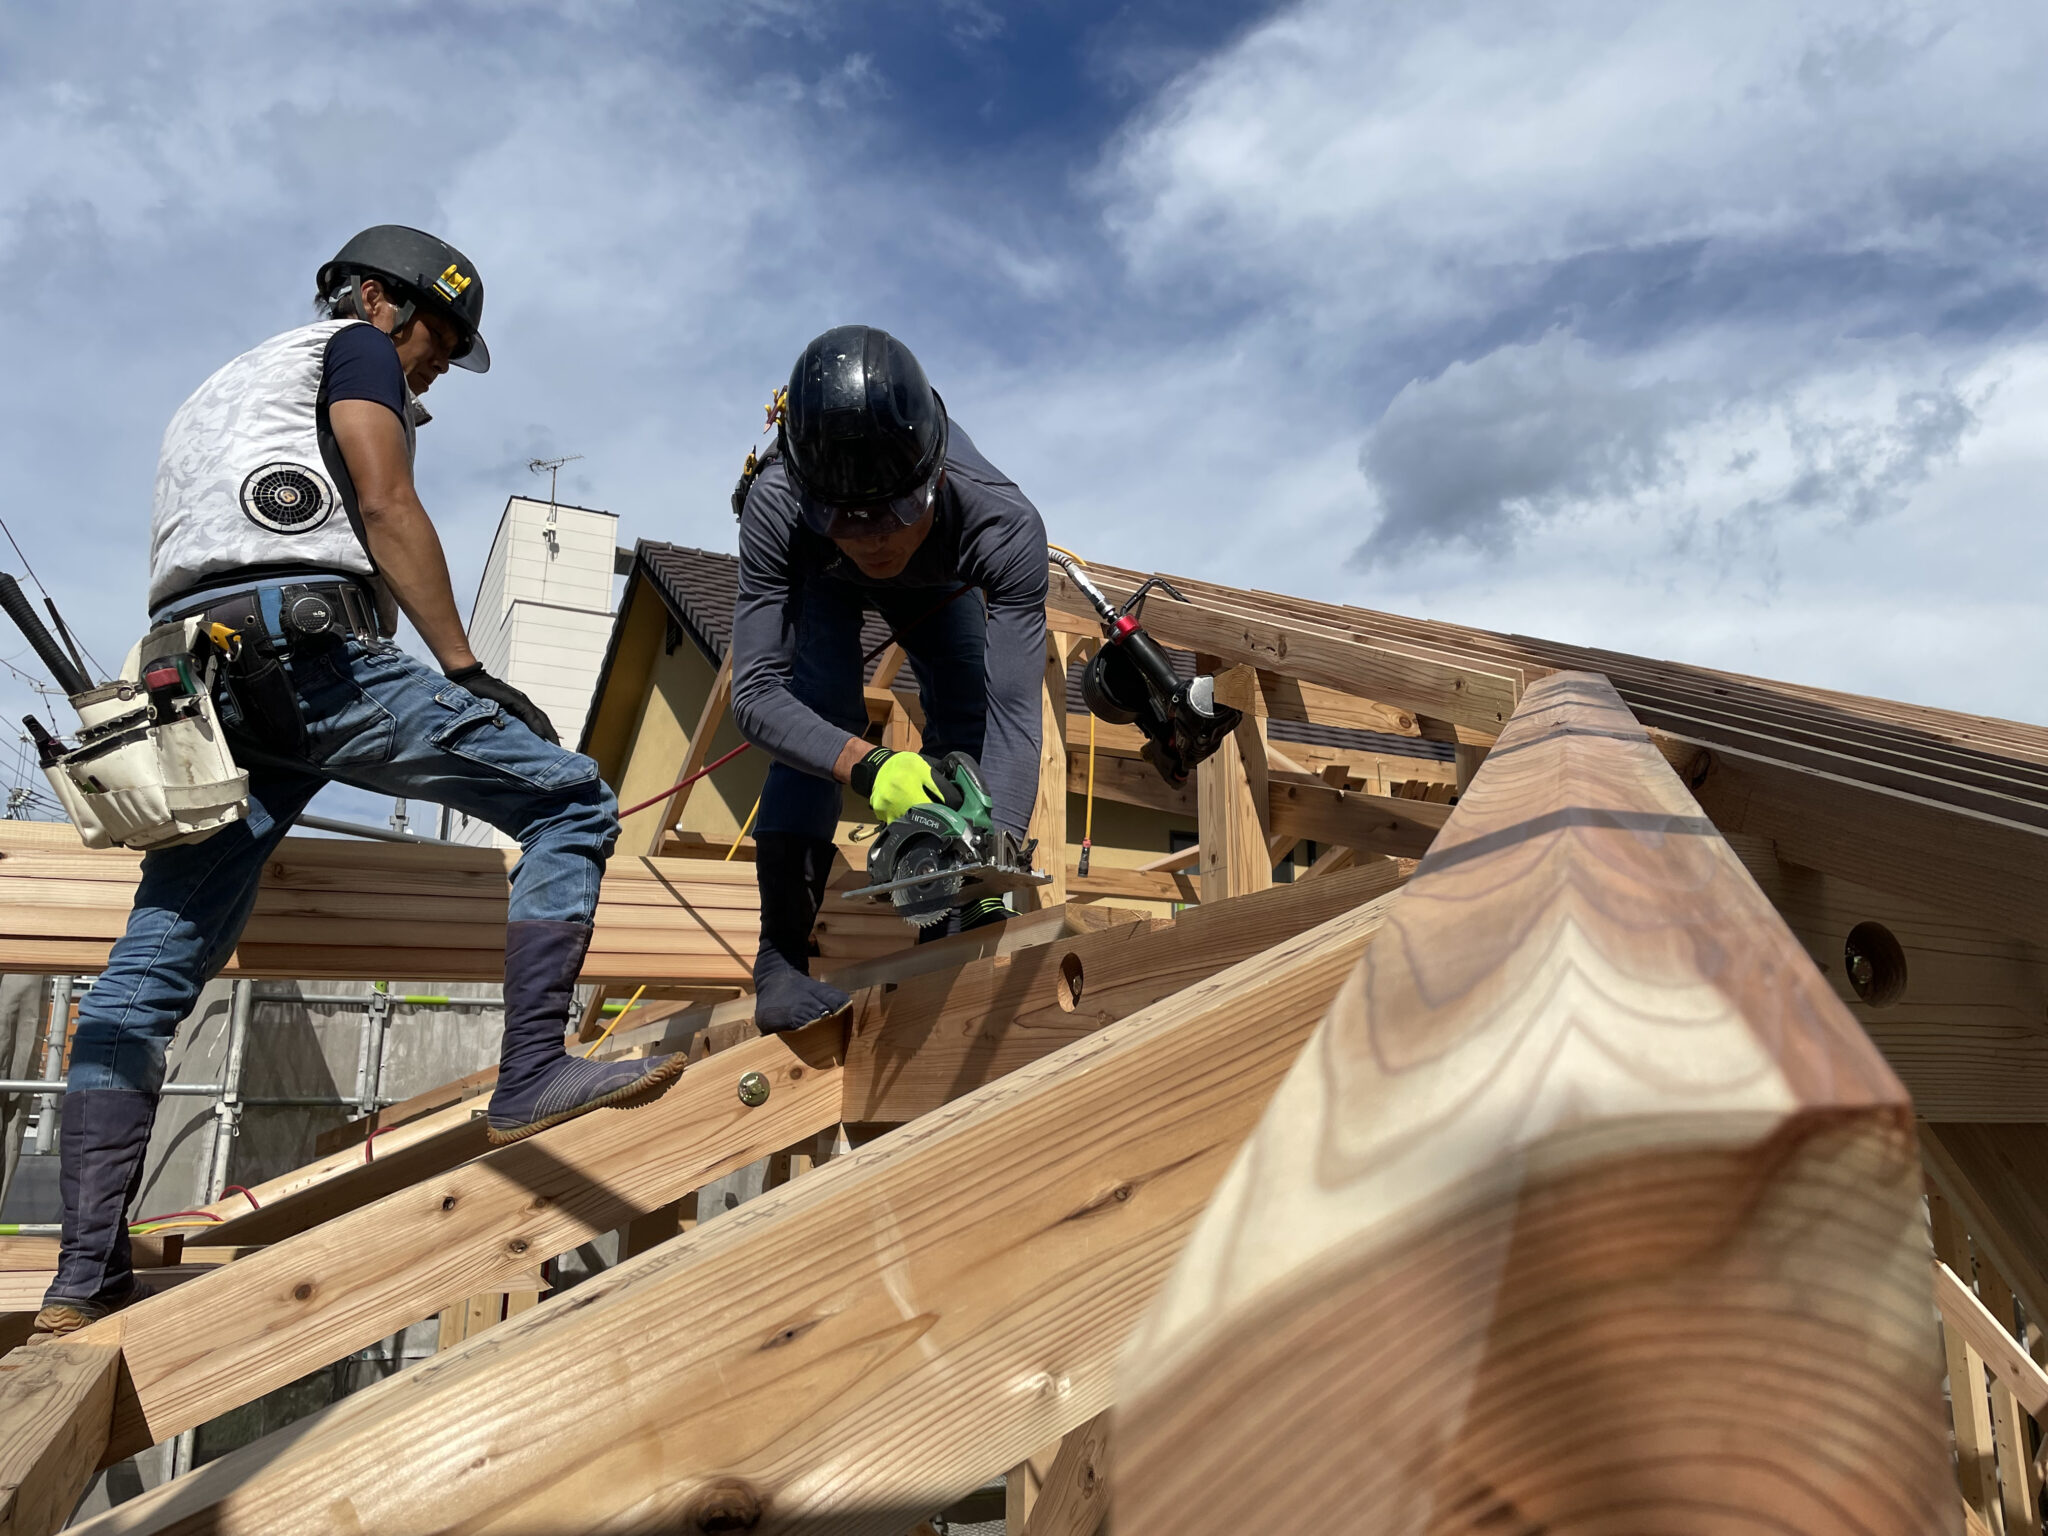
381, 721
946, 650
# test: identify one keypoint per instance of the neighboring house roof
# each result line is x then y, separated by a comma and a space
698, 587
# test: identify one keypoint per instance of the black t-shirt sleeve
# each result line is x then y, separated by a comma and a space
362, 364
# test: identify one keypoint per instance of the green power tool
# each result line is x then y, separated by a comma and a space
938, 856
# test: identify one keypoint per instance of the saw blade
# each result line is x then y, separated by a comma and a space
929, 900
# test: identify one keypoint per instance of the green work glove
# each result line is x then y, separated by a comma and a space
894, 781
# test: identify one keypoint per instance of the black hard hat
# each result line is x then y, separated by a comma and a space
863, 431
428, 271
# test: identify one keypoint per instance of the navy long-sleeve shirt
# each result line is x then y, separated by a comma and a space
984, 531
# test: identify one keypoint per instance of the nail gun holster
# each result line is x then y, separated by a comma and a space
265, 706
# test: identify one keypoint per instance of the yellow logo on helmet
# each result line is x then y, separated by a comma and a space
452, 282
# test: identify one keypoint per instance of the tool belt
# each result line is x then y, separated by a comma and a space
268, 622
152, 766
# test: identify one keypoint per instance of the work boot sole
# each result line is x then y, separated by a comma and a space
642, 1090
61, 1319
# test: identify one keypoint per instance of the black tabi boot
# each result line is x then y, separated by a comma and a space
104, 1134
539, 1083
792, 872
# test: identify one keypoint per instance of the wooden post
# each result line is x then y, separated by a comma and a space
715, 705
1073, 1496
1232, 801
2008, 1418
1588, 1207
1049, 812
1969, 1402
56, 1403
658, 1226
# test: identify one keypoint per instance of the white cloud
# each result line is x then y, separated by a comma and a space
1701, 331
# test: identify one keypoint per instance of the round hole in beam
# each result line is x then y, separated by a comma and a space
1875, 964
1069, 987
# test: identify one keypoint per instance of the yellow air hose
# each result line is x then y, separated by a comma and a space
1088, 811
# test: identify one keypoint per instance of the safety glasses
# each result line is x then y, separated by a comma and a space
868, 519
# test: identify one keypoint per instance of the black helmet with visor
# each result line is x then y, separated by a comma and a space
863, 434
424, 272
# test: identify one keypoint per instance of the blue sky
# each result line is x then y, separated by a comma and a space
1704, 332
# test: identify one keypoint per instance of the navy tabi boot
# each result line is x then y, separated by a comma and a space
100, 1148
792, 872
539, 1083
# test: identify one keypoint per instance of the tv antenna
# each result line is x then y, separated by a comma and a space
552, 468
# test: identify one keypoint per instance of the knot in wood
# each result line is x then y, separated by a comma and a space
447, 1202
303, 1291
727, 1504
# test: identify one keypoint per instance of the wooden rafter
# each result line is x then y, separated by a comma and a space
855, 1344
1588, 1202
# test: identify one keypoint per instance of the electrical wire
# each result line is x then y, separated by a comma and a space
32, 576
744, 830
600, 1040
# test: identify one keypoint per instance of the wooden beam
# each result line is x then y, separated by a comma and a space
1370, 824
887, 665
333, 907
2000, 1351
1073, 1499
1410, 678
1985, 869
369, 1270
228, 1337
924, 1042
1588, 1207
1128, 781
1234, 800
1297, 806
2008, 1417
1114, 880
1048, 825
56, 1400
1958, 1009
866, 1344
716, 703
1996, 1178
1969, 1397
433, 1143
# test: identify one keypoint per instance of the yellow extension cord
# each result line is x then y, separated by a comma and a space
1088, 811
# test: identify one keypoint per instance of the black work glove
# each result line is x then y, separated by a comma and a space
510, 699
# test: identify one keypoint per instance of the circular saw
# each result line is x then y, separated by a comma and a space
943, 854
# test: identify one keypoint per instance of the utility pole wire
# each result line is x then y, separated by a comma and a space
32, 576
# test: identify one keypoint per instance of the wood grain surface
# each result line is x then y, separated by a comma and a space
335, 907
926, 1041
1588, 1209
54, 1402
843, 1354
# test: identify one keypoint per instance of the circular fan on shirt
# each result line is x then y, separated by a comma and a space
286, 498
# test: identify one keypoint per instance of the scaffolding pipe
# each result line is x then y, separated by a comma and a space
53, 1066
36, 1087
376, 1024
227, 1109
362, 999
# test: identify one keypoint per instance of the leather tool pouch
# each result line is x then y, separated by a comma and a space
264, 697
